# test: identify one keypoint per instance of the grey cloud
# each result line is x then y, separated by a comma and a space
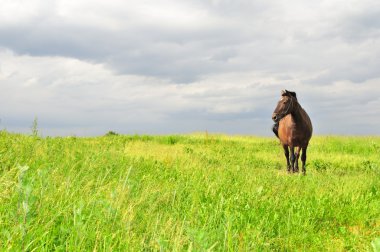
247, 36
144, 52
361, 26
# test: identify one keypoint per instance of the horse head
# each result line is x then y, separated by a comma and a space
285, 105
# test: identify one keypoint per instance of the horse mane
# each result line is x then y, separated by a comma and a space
289, 93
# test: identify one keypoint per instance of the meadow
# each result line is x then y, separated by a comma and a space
196, 192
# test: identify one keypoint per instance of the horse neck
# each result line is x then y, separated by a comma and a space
297, 112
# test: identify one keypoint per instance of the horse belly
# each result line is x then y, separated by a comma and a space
291, 136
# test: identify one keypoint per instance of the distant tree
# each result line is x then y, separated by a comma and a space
111, 133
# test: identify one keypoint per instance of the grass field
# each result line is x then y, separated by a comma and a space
195, 192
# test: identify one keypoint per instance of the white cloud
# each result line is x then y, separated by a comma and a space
20, 12
176, 66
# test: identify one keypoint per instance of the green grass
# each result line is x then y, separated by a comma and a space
187, 193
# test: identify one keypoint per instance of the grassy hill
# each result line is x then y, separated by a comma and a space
187, 192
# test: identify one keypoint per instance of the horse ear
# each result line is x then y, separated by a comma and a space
289, 93
283, 92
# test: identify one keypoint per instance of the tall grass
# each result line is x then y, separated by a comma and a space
187, 192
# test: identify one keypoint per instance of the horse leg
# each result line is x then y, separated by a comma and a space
303, 159
286, 152
297, 154
292, 158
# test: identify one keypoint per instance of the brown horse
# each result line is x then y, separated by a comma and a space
293, 127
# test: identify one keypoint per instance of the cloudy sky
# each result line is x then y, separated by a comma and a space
84, 67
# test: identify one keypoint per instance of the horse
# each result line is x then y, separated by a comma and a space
294, 129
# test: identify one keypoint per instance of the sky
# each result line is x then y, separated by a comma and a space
86, 67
